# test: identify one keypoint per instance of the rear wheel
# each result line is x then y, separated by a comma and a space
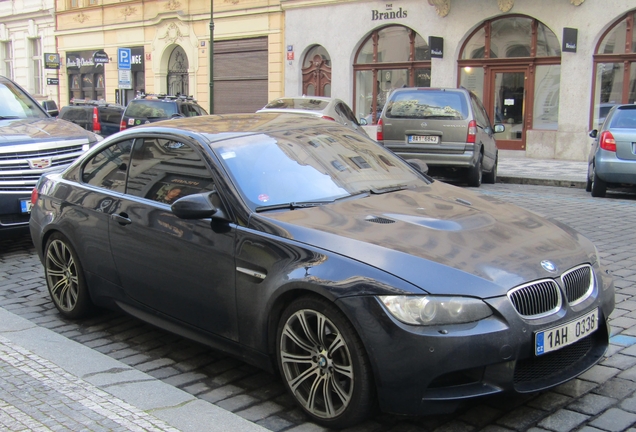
323, 363
588, 184
491, 177
599, 187
475, 174
65, 278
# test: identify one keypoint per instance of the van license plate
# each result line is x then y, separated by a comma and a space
561, 336
424, 139
25, 206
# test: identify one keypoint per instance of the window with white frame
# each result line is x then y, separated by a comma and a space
6, 67
36, 71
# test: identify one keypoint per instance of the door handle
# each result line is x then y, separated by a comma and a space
121, 219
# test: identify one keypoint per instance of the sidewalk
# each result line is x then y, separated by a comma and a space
50, 382
551, 172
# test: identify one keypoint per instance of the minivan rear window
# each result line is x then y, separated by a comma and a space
427, 104
151, 109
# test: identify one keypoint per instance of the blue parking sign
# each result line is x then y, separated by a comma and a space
123, 58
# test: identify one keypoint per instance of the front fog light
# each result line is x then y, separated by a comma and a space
435, 310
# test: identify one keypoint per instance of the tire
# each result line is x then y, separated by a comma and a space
491, 177
65, 278
475, 174
588, 185
598, 187
323, 363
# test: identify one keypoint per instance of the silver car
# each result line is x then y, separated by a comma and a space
612, 159
324, 107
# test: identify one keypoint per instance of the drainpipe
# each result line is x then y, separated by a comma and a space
211, 50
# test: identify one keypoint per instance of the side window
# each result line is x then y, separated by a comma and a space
164, 170
107, 169
479, 113
346, 111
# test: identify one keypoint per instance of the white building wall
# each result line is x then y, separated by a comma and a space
21, 21
341, 27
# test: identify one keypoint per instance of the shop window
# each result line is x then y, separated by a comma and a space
614, 61
546, 97
391, 57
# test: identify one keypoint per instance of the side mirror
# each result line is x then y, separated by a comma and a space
363, 122
176, 115
499, 128
51, 108
197, 206
418, 165
593, 133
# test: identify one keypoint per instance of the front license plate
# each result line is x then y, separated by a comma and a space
424, 139
25, 206
566, 334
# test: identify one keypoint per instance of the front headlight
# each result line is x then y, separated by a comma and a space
435, 310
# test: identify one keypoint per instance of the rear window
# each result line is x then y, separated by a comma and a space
304, 104
151, 109
429, 104
624, 118
69, 113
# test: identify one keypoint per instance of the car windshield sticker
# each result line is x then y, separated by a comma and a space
263, 197
228, 155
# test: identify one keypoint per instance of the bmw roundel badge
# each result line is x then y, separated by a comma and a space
548, 266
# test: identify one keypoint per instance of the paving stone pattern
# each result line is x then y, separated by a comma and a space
602, 399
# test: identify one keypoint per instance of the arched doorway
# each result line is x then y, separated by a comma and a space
513, 64
178, 79
390, 57
317, 72
614, 68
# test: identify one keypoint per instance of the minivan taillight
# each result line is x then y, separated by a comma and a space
608, 142
380, 132
472, 132
122, 125
97, 128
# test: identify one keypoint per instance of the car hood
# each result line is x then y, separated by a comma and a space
440, 236
23, 131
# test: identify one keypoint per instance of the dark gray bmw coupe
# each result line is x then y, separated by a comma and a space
301, 247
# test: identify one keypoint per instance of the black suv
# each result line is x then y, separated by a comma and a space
96, 116
447, 128
151, 108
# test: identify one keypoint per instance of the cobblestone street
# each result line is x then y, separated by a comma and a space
602, 399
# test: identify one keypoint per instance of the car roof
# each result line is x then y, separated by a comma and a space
216, 128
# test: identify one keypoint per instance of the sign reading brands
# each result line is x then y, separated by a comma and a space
570, 36
51, 61
100, 57
436, 44
52, 81
388, 14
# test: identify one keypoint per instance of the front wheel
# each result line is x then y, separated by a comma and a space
65, 278
323, 363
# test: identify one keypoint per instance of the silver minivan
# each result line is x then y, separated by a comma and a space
448, 129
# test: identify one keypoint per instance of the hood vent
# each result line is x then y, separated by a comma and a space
379, 220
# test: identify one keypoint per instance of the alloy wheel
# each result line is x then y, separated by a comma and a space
316, 363
62, 275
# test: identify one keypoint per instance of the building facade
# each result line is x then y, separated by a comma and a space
27, 32
115, 49
547, 69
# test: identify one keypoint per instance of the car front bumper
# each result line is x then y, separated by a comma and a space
425, 370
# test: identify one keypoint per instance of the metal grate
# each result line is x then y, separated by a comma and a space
552, 364
12, 156
578, 283
536, 299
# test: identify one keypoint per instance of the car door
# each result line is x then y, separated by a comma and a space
181, 268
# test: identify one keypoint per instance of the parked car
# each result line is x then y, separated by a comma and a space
100, 117
612, 158
31, 143
324, 107
300, 247
448, 129
149, 108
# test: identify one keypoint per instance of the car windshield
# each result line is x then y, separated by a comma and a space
151, 109
16, 104
303, 104
420, 104
311, 166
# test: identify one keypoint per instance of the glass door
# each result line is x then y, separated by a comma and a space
508, 107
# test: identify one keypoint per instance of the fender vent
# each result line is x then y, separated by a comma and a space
379, 220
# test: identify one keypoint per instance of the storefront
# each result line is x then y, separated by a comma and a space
546, 69
85, 73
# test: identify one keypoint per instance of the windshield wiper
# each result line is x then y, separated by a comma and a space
378, 191
8, 117
291, 205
